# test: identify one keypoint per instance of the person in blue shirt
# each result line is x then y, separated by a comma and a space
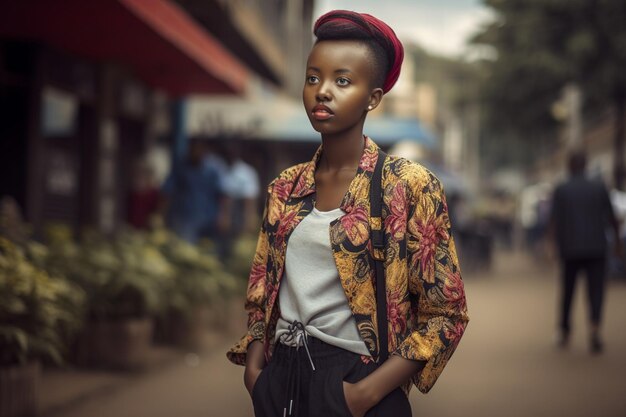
192, 194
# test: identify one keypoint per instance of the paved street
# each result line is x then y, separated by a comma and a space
505, 365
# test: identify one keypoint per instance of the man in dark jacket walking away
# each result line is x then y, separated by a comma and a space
581, 213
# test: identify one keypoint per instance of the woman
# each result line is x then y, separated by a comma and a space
312, 346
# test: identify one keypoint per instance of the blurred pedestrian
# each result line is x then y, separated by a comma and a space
581, 213
534, 212
144, 196
241, 192
319, 325
191, 196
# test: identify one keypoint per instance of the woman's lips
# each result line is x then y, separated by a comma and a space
321, 112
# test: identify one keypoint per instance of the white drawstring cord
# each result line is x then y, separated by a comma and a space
304, 338
297, 332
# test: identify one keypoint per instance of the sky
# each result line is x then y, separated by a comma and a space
440, 26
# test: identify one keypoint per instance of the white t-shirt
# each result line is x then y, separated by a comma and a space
311, 291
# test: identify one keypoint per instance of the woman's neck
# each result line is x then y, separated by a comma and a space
342, 151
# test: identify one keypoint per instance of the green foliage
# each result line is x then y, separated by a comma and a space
122, 277
138, 273
38, 312
540, 46
200, 279
46, 291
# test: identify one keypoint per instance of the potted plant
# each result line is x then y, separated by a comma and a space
124, 279
38, 312
197, 293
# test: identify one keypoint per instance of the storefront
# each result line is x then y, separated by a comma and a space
85, 88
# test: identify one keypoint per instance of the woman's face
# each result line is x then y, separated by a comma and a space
338, 86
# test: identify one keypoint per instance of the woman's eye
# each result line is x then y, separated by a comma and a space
342, 81
312, 79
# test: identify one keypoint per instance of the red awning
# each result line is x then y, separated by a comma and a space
163, 45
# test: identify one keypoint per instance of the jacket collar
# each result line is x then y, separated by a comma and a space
306, 181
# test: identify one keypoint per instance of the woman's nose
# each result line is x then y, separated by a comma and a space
323, 93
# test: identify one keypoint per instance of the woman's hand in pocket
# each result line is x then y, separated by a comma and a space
255, 362
356, 399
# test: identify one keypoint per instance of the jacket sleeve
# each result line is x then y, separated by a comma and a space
256, 296
439, 310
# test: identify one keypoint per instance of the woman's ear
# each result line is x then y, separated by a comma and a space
375, 98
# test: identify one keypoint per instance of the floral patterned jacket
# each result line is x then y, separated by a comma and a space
426, 308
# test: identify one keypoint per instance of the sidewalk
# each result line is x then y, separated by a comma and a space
63, 390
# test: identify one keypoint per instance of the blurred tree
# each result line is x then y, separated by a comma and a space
539, 46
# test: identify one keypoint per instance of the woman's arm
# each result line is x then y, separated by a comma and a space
368, 392
255, 301
436, 291
255, 362
436, 287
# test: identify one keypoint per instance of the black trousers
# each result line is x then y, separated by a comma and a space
289, 384
595, 271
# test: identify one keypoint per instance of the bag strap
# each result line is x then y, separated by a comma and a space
377, 237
